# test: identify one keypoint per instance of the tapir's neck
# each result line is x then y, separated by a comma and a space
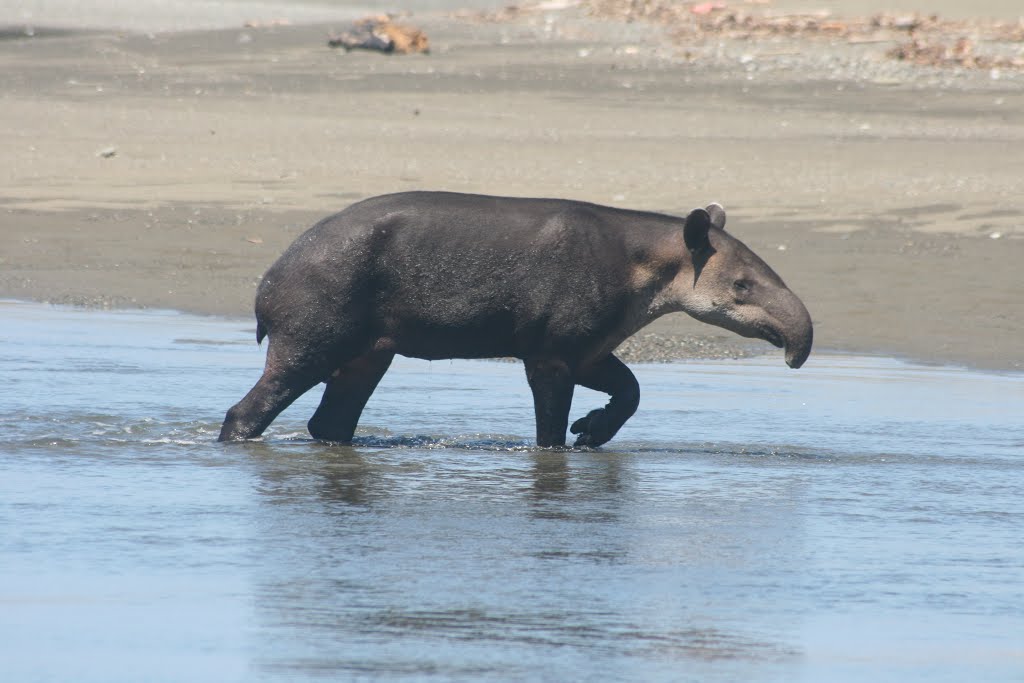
662, 269
660, 277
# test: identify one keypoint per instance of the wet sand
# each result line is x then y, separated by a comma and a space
170, 170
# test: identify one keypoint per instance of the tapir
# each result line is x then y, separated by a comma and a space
558, 284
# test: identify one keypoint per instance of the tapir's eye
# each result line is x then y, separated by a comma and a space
742, 285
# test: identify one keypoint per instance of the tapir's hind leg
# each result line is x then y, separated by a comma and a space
611, 376
283, 381
347, 392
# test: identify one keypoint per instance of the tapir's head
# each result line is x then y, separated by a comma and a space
732, 287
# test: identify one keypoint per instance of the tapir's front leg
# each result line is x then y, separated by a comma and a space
611, 376
552, 385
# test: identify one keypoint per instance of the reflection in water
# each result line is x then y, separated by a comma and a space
518, 559
550, 473
859, 519
339, 474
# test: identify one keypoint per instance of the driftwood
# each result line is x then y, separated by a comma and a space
381, 34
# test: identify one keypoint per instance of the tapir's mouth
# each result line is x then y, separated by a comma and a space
772, 337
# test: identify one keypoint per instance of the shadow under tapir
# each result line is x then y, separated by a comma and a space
558, 284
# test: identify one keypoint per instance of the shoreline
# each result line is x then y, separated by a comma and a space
644, 348
833, 166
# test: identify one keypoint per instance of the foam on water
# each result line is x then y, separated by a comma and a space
860, 517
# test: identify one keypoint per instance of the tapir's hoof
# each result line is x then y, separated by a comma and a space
592, 429
325, 430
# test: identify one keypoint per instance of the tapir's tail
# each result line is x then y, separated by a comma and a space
261, 332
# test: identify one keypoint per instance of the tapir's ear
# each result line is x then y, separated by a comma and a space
695, 232
717, 214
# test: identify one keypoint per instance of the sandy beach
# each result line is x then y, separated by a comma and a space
166, 168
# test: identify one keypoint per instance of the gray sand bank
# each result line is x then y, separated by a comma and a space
887, 195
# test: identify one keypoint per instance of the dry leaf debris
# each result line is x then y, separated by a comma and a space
920, 39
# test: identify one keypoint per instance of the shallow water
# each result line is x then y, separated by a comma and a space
860, 517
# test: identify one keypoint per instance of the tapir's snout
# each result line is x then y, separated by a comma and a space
781, 319
796, 330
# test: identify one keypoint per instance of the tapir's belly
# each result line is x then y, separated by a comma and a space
441, 349
481, 336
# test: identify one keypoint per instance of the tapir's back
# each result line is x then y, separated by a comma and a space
506, 222
437, 239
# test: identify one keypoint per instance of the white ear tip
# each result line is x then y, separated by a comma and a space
717, 213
